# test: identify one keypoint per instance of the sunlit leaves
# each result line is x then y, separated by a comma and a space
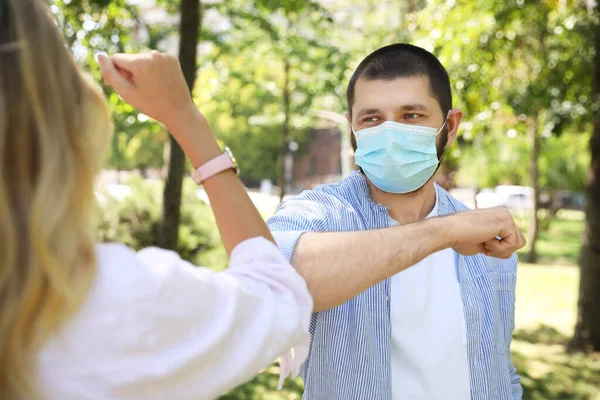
91, 26
510, 63
241, 82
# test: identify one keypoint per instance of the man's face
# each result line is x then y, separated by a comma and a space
404, 100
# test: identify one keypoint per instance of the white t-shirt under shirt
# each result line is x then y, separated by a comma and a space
428, 352
155, 327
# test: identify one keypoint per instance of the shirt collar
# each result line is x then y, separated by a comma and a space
358, 183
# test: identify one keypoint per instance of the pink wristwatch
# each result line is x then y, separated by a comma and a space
215, 166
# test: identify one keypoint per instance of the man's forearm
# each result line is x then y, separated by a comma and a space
339, 265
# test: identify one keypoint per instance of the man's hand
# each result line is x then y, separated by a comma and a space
478, 231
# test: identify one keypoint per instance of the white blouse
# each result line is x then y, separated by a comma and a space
156, 327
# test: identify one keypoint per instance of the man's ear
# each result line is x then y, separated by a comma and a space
452, 124
349, 118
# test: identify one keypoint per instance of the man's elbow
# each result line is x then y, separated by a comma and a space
304, 263
321, 295
321, 301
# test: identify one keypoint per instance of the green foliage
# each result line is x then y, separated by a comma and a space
134, 222
244, 109
241, 84
494, 159
565, 161
514, 66
560, 242
131, 221
511, 64
264, 387
92, 26
244, 104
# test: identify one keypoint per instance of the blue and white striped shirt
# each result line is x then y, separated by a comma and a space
349, 354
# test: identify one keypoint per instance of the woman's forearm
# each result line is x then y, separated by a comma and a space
237, 217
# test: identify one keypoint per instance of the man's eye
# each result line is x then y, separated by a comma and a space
371, 119
411, 116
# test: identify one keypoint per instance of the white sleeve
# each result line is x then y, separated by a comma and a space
212, 331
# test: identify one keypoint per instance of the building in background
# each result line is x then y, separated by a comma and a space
321, 162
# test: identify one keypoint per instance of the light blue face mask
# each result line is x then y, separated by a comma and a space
397, 158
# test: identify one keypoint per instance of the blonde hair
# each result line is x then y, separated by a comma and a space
54, 127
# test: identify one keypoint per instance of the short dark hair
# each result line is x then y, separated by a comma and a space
403, 60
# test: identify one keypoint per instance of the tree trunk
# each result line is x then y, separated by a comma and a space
587, 330
285, 130
534, 223
188, 33
412, 6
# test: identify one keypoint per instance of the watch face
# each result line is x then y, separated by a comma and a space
235, 164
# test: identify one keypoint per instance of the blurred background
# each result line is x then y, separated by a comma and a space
270, 75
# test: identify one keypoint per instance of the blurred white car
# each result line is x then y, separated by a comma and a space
513, 197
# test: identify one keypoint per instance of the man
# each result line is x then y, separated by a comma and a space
404, 308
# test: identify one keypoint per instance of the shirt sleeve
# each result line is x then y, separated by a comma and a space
292, 219
211, 331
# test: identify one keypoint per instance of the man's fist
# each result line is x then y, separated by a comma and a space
490, 231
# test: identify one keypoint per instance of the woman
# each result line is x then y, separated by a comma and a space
86, 321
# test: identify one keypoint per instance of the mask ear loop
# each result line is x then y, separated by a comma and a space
444, 151
445, 122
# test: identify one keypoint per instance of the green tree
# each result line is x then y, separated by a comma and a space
587, 330
264, 76
91, 26
550, 48
519, 68
191, 17
243, 106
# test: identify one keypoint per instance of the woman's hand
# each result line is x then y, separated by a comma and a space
151, 82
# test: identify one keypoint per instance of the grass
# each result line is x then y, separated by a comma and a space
545, 317
264, 387
560, 242
547, 295
547, 372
